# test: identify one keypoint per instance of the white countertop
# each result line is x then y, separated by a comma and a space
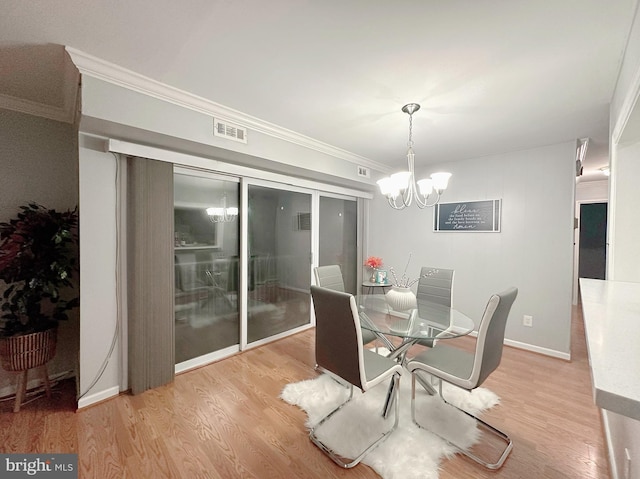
611, 311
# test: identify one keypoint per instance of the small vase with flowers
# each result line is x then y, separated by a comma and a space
373, 263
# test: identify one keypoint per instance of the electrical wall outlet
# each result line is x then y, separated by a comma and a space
527, 321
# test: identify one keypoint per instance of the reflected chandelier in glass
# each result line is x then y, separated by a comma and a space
222, 214
402, 188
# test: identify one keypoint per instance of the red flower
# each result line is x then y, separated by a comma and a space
373, 262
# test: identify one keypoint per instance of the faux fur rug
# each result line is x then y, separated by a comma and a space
409, 452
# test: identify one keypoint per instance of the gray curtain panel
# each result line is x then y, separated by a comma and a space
150, 271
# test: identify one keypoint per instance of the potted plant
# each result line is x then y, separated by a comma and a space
37, 258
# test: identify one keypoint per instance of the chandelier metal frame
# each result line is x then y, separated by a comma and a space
403, 185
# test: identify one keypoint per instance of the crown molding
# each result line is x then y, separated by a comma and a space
111, 73
22, 105
66, 113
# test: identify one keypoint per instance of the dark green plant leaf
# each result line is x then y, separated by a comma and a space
37, 259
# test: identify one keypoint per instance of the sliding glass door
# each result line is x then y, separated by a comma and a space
338, 238
279, 257
243, 257
243, 246
206, 254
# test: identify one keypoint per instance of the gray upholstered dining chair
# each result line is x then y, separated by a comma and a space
435, 285
330, 276
339, 351
469, 370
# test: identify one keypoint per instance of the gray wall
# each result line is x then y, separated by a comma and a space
118, 112
39, 162
534, 250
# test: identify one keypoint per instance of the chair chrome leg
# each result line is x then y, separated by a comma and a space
496, 432
392, 394
424, 382
349, 462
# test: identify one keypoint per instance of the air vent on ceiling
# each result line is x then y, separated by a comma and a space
229, 131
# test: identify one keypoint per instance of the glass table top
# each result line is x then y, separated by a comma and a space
427, 321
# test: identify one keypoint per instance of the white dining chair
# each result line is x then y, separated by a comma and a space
330, 276
469, 370
435, 285
339, 350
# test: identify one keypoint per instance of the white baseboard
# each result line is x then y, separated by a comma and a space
517, 344
533, 348
537, 349
613, 467
98, 397
35, 382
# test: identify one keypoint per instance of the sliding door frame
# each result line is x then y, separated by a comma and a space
244, 253
318, 194
229, 350
246, 175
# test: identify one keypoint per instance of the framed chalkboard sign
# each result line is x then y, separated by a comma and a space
468, 216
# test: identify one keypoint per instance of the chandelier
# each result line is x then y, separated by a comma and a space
402, 188
222, 214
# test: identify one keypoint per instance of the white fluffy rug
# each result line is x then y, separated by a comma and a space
409, 452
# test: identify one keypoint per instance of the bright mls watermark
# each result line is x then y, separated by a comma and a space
52, 466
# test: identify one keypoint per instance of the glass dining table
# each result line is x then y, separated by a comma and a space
427, 323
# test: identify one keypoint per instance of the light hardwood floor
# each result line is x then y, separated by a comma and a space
226, 421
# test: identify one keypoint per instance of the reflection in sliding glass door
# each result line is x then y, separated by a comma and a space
338, 238
206, 265
279, 275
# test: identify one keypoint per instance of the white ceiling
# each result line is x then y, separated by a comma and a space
492, 76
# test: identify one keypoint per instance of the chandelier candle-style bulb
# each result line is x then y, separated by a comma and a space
440, 181
401, 180
425, 187
388, 188
215, 211
222, 214
403, 185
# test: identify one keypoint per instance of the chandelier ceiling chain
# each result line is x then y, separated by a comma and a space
402, 188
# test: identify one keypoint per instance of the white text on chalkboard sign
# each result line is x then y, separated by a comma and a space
470, 216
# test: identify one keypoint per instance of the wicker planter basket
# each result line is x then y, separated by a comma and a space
20, 353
